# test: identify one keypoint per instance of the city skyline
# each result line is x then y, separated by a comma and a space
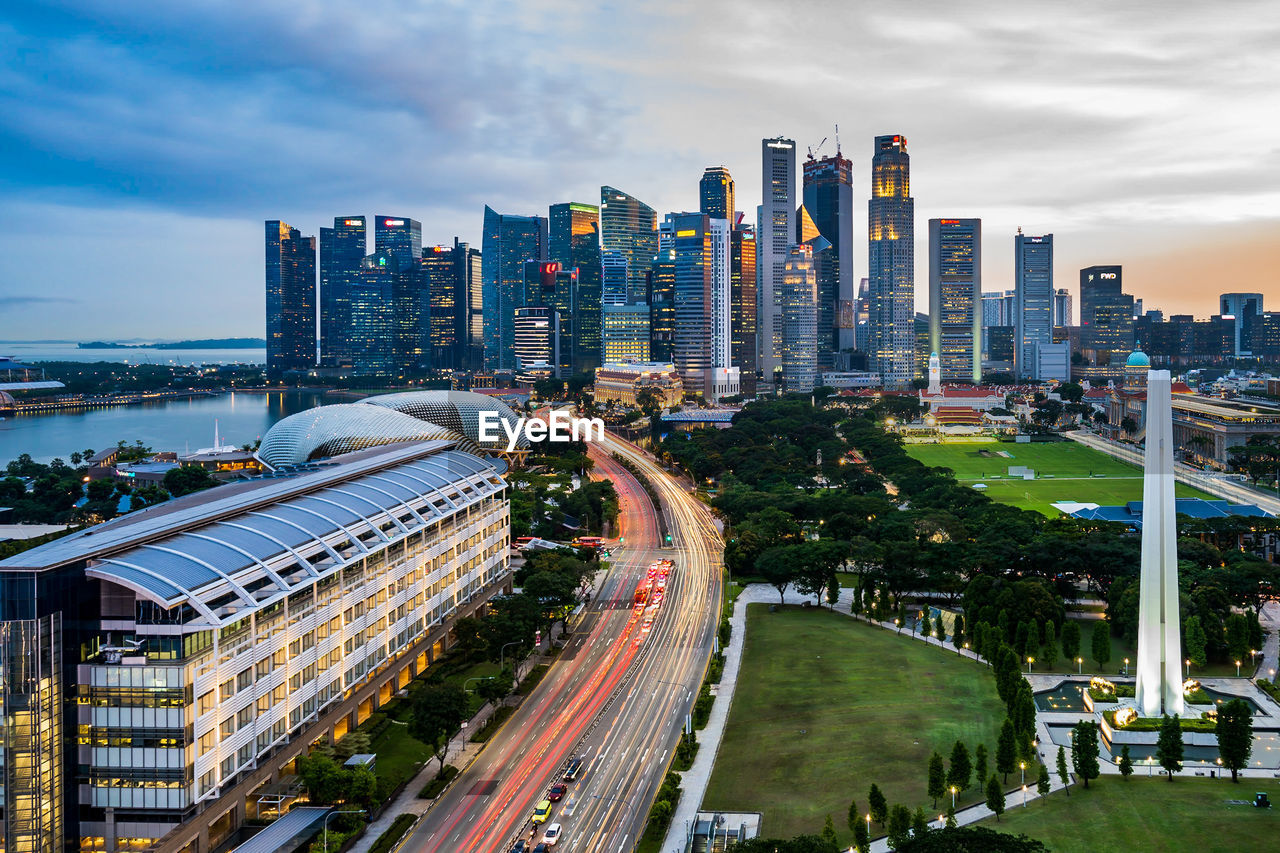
120, 136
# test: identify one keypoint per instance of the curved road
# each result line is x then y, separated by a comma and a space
616, 697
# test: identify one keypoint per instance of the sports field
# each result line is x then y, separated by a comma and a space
1065, 471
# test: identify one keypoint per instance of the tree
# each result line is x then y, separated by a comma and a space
322, 777
1238, 636
829, 831
970, 839
1049, 648
926, 624
1071, 639
937, 778
776, 566
1084, 750
833, 590
1126, 763
919, 823
961, 768
438, 711
980, 769
361, 787
995, 796
1235, 736
877, 804
1007, 749
1063, 776
957, 631
861, 838
940, 629
899, 827
186, 479
1102, 644
1169, 745
855, 817
1021, 639
1042, 780
1033, 639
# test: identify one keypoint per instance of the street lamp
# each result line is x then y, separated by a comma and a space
1188, 663
1126, 666
1079, 664
326, 823
1024, 796
1030, 660
1237, 669
898, 625
953, 797
868, 827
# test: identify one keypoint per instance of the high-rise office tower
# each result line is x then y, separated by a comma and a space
891, 263
447, 293
291, 298
373, 337
626, 333
550, 284
661, 296
1245, 308
537, 337
342, 248
1106, 315
399, 237
955, 296
628, 226
715, 193
721, 306
1032, 300
799, 320
742, 296
694, 275
575, 243
828, 198
509, 241
1061, 307
471, 282
862, 316
615, 286
775, 232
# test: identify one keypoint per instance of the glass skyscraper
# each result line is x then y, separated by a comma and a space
799, 320
828, 198
694, 271
550, 284
775, 232
1106, 315
373, 337
342, 248
742, 295
291, 298
626, 333
575, 244
891, 263
509, 241
628, 227
661, 296
1032, 300
715, 193
446, 293
955, 297
615, 285
400, 237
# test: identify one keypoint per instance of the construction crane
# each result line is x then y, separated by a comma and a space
813, 152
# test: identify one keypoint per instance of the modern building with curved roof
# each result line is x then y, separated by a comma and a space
455, 410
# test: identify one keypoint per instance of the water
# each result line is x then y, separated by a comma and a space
169, 425
1065, 698
28, 351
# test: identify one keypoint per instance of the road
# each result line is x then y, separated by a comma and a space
616, 697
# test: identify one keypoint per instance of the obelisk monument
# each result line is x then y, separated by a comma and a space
1159, 688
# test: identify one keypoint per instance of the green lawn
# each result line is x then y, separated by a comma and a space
825, 705
1065, 471
398, 754
1148, 814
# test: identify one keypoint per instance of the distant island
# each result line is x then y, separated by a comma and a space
207, 343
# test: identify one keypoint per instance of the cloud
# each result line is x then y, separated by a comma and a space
23, 301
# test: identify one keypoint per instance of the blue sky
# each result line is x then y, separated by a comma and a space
144, 143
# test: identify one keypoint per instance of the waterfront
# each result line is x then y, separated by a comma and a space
36, 351
179, 425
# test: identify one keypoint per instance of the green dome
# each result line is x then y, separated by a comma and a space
1138, 358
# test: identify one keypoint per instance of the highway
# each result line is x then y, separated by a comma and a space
616, 697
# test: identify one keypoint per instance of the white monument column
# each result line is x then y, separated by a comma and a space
935, 375
1159, 688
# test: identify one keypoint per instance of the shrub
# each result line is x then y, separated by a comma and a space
437, 785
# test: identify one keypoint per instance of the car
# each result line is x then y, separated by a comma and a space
571, 772
557, 791
519, 847
552, 835
542, 848
541, 812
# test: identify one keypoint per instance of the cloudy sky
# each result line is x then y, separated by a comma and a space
143, 143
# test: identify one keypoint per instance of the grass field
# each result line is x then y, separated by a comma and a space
1148, 814
1065, 471
824, 706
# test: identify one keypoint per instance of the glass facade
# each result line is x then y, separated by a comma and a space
661, 290
694, 271
615, 287
626, 333
447, 294
715, 193
955, 298
375, 331
537, 332
342, 248
891, 263
742, 294
1106, 316
291, 298
828, 198
775, 232
799, 321
1032, 300
575, 244
628, 227
31, 740
509, 241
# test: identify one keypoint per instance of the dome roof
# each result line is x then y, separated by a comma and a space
1138, 358
6, 400
456, 410
343, 428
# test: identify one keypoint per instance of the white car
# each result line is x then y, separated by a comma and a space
552, 835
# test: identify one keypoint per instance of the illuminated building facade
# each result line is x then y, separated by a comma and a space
694, 273
661, 289
629, 227
1032, 300
549, 284
373, 334
625, 381
400, 237
342, 248
291, 298
799, 321
1244, 308
742, 295
615, 283
537, 333
446, 293
775, 232
828, 198
715, 193
509, 241
955, 298
575, 244
891, 263
626, 333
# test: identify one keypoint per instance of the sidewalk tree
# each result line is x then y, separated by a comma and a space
1063, 776
861, 838
833, 590
1021, 638
1071, 640
926, 624
980, 769
937, 778
1033, 639
957, 631
438, 711
1102, 644
899, 827
1007, 749
1042, 781
940, 630
919, 823
1084, 750
961, 768
1235, 736
323, 778
877, 804
1169, 747
995, 796
1126, 763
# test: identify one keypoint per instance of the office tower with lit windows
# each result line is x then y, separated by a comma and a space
626, 333
799, 320
342, 248
1062, 307
742, 297
828, 199
446, 291
508, 242
715, 193
891, 263
470, 279
661, 297
400, 237
615, 288
575, 244
537, 337
1032, 300
291, 298
373, 337
694, 280
955, 297
775, 233
1106, 317
628, 226
721, 306
550, 284
1245, 308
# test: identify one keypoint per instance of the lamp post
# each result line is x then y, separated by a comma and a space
953, 797
502, 654
1188, 663
1237, 669
1030, 660
1126, 666
1079, 665
326, 823
1022, 765
1024, 796
1150, 764
1219, 766
868, 827
898, 625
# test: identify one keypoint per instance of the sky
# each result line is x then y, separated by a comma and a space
143, 144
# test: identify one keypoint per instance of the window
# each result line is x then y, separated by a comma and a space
244, 717
264, 667
207, 741
244, 680
206, 703
227, 689
227, 727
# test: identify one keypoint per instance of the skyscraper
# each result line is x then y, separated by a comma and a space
469, 273
742, 296
721, 305
342, 248
1106, 316
628, 226
828, 198
575, 244
1245, 308
537, 337
799, 299
615, 285
373, 336
694, 274
400, 237
291, 298
661, 296
509, 241
955, 297
626, 333
715, 192
1062, 307
550, 284
775, 233
447, 292
891, 263
1032, 300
